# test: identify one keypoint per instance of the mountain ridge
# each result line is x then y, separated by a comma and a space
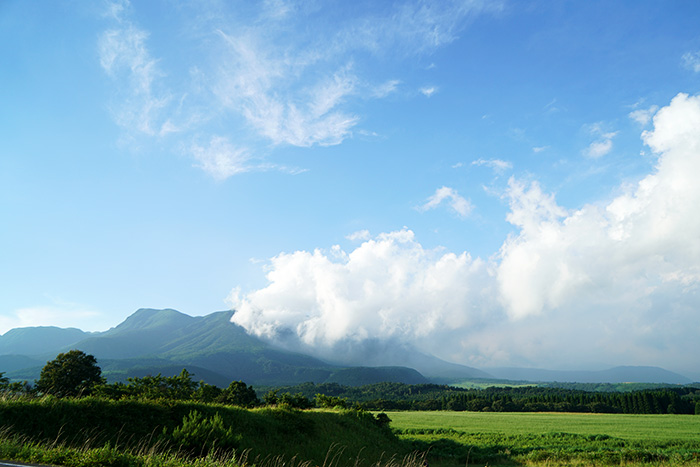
618, 374
164, 341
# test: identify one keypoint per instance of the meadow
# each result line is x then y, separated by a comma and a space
453, 438
93, 431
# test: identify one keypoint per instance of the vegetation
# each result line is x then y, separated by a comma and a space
70, 374
398, 396
551, 438
193, 429
176, 421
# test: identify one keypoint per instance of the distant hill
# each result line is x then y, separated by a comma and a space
360, 376
39, 340
218, 351
392, 353
620, 374
166, 341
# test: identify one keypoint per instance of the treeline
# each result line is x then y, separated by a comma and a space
397, 396
75, 374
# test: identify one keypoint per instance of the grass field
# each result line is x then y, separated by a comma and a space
551, 438
630, 427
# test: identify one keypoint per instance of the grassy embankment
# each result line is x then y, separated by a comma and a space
92, 432
551, 438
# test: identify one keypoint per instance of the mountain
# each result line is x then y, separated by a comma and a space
375, 352
218, 351
39, 340
360, 376
211, 347
620, 374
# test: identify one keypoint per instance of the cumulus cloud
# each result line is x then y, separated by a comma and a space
457, 203
612, 282
388, 287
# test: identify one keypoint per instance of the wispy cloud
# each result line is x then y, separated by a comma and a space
643, 116
221, 159
359, 235
125, 57
603, 143
457, 203
428, 91
288, 77
497, 165
691, 60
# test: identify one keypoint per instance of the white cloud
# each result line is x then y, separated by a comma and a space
538, 149
388, 287
359, 235
643, 116
124, 56
221, 159
458, 204
386, 88
614, 282
497, 165
280, 73
428, 91
603, 143
691, 60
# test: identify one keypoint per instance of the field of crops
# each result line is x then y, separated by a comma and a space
552, 438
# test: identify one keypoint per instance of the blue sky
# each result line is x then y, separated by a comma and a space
498, 183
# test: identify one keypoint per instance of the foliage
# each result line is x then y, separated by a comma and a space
398, 396
239, 393
331, 402
189, 428
70, 374
199, 434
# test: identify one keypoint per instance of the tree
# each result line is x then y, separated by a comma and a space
239, 393
70, 374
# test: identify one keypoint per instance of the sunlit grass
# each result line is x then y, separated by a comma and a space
453, 438
626, 426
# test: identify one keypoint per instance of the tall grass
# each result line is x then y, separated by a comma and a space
18, 449
194, 431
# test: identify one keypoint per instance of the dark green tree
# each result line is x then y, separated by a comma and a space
239, 393
70, 374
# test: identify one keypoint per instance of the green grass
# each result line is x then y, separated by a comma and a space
265, 433
631, 427
551, 438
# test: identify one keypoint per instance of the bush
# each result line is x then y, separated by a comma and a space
199, 435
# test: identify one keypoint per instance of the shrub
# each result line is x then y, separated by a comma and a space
199, 434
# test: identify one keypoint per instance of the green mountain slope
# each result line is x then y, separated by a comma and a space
39, 340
